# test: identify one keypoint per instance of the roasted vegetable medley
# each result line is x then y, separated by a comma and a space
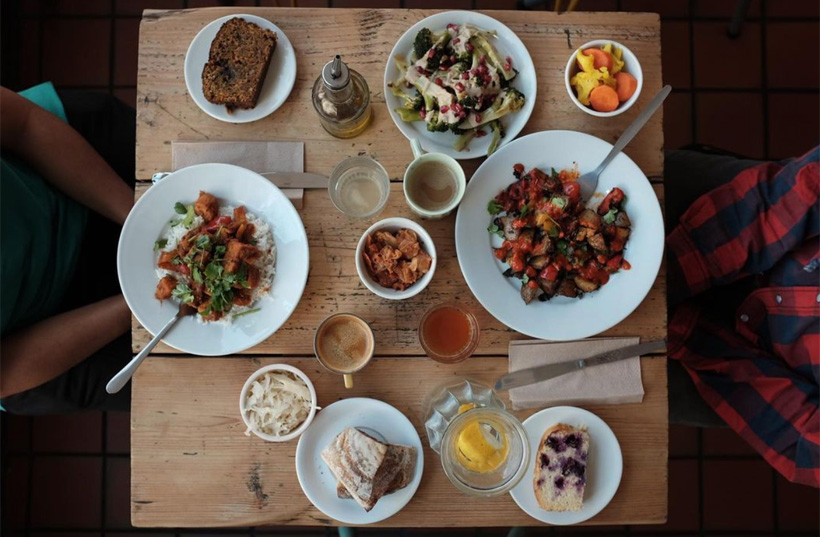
551, 241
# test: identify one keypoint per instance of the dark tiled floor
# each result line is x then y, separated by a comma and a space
756, 95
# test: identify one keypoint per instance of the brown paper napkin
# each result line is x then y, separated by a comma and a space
260, 157
608, 384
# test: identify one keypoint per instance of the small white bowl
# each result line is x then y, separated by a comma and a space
631, 66
304, 425
395, 224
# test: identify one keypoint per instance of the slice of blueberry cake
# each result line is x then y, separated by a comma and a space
560, 468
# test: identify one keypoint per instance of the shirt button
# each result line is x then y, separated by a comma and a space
778, 299
744, 318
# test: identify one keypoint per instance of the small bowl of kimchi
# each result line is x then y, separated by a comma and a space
277, 403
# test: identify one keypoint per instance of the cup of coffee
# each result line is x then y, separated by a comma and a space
344, 344
434, 183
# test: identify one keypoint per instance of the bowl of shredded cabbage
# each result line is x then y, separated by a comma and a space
277, 403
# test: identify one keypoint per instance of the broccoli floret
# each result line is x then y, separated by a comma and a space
408, 115
435, 123
464, 140
407, 101
468, 102
509, 101
494, 59
440, 46
423, 42
498, 133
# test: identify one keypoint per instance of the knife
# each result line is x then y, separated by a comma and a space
549, 371
280, 179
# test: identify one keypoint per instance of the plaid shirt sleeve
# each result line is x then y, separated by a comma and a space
761, 376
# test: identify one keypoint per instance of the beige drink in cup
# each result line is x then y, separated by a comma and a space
344, 344
434, 183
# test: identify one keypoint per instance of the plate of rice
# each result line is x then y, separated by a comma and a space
223, 240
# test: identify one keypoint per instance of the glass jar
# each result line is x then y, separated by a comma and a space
483, 448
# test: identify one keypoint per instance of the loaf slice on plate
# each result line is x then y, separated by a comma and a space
405, 459
237, 64
560, 468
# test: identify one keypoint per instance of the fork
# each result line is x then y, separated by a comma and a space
589, 181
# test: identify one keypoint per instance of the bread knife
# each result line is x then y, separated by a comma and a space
280, 179
525, 377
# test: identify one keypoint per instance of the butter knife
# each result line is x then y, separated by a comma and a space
525, 377
280, 179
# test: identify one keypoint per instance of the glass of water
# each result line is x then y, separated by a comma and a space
359, 187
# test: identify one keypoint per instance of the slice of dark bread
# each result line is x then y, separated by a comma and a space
237, 64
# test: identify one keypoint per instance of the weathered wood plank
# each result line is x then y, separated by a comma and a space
365, 39
192, 465
334, 285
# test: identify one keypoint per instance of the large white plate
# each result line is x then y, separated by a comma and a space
149, 220
507, 44
318, 482
560, 318
278, 82
604, 468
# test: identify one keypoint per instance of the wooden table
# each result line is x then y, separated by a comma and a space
191, 464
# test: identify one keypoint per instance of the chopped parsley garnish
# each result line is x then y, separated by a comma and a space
160, 244
180, 208
183, 293
609, 217
559, 202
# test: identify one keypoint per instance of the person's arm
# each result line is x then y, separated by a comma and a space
744, 227
43, 351
62, 157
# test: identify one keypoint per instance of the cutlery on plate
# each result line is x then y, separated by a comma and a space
589, 181
121, 379
280, 179
525, 377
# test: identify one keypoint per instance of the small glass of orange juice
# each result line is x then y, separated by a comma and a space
448, 333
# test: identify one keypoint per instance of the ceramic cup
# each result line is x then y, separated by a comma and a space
420, 161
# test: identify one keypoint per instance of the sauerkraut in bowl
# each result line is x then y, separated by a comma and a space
277, 403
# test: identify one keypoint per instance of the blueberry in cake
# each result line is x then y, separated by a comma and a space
560, 468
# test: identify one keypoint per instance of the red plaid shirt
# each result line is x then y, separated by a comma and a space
760, 375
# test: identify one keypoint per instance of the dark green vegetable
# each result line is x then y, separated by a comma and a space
160, 244
493, 207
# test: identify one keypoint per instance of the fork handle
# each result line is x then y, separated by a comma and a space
635, 127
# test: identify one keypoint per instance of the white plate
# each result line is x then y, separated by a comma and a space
319, 483
148, 221
560, 318
604, 469
507, 44
278, 82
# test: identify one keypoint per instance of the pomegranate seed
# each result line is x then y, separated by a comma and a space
444, 109
431, 53
487, 79
478, 117
439, 81
423, 113
507, 66
453, 58
509, 60
474, 72
459, 86
419, 70
469, 47
482, 60
442, 68
465, 76
480, 133
462, 114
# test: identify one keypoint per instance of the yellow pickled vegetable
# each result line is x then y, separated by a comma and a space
617, 57
584, 83
586, 63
